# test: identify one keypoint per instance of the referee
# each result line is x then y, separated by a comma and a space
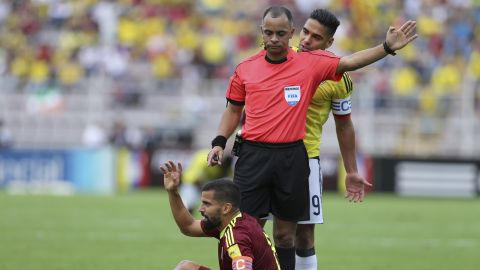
275, 86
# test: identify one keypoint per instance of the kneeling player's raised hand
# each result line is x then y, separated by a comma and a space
171, 175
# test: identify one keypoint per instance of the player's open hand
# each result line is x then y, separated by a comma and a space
397, 39
355, 185
171, 175
215, 156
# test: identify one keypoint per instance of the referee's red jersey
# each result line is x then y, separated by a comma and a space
244, 237
277, 95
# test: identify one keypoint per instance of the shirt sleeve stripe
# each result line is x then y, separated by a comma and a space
344, 116
234, 102
348, 82
229, 237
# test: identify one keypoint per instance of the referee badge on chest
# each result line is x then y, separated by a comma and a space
292, 95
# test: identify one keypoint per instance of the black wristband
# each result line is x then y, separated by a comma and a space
219, 141
388, 49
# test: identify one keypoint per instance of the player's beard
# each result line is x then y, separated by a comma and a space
213, 221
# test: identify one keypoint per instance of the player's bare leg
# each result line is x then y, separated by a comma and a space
284, 235
304, 246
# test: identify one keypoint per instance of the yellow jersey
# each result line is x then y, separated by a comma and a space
199, 171
329, 96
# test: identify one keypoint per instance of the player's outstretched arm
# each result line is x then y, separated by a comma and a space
229, 122
171, 179
395, 40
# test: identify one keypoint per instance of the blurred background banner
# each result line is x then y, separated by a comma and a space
92, 171
100, 171
58, 171
30, 165
427, 177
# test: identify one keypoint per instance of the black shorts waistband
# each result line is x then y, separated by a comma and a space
274, 145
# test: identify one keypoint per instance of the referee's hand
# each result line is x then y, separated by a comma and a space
171, 175
215, 156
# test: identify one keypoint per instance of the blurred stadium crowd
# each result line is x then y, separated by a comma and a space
58, 45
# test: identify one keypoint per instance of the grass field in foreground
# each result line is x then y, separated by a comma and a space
136, 231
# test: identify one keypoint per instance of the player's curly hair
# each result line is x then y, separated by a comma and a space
225, 191
326, 18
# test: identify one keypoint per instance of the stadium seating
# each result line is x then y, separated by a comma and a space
72, 63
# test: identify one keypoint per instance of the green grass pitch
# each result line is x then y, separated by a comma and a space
136, 231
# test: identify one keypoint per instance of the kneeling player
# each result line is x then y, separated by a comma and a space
243, 243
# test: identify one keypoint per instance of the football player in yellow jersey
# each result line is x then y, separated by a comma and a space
197, 174
317, 33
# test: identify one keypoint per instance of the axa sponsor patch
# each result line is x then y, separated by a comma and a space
342, 106
292, 94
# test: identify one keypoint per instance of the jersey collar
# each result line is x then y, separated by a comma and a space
289, 55
231, 223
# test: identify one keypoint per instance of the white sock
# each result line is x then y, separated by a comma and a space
306, 263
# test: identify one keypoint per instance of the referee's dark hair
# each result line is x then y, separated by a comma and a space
326, 18
277, 11
225, 191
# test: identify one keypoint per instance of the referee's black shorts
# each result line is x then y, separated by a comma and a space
274, 178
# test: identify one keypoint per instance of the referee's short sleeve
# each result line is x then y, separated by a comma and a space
236, 90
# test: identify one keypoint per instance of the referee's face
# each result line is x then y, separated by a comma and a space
276, 33
314, 36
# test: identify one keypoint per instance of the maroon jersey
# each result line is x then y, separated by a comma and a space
244, 237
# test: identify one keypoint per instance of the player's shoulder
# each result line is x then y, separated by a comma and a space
238, 228
243, 222
343, 87
320, 53
246, 218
